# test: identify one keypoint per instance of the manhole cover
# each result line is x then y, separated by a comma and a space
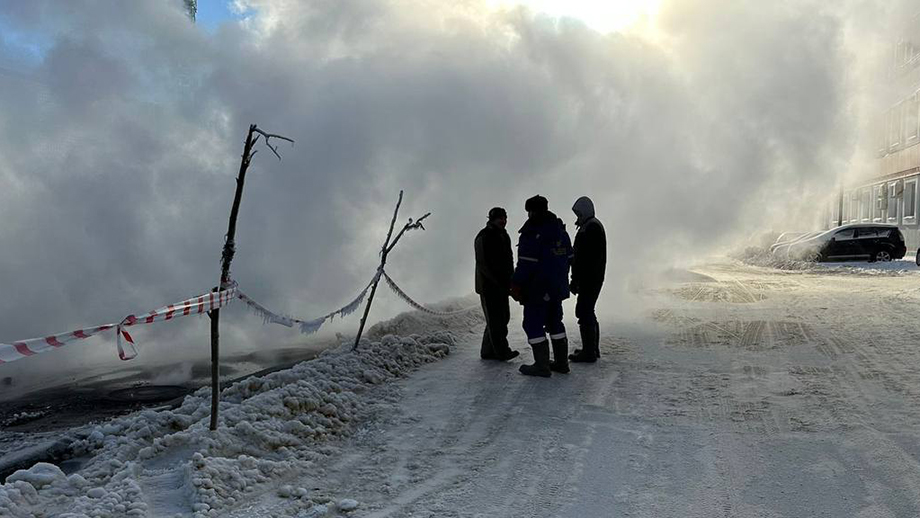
148, 393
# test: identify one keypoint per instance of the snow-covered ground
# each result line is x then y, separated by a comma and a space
743, 391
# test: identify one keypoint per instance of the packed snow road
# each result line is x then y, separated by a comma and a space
755, 393
738, 391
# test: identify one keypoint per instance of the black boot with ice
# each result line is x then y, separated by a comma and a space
587, 353
540, 366
560, 361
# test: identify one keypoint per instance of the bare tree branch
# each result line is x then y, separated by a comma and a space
272, 135
411, 225
268, 137
274, 149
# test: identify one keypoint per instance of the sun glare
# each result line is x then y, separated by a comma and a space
601, 15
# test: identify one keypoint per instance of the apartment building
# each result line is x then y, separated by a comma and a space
889, 192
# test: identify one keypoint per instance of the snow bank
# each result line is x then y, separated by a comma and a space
271, 427
418, 322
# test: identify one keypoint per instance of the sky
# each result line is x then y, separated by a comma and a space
690, 124
212, 13
607, 16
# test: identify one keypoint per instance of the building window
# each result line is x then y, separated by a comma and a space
846, 207
854, 205
866, 205
911, 129
910, 201
882, 132
905, 54
894, 128
879, 203
893, 202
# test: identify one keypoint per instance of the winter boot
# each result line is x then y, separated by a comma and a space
560, 362
506, 355
485, 350
587, 353
540, 365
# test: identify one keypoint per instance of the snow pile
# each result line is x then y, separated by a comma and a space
419, 322
271, 427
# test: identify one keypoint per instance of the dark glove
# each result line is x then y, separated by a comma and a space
516, 292
573, 287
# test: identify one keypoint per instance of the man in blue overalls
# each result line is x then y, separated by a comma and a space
541, 282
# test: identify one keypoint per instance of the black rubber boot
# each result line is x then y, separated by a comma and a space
540, 365
587, 352
485, 350
560, 361
507, 355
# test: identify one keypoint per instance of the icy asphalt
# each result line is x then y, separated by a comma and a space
739, 392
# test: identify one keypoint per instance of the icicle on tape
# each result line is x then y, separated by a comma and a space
307, 326
408, 300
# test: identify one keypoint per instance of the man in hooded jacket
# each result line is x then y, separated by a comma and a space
494, 266
588, 268
540, 283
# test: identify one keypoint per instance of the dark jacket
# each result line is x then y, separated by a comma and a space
544, 252
494, 260
590, 260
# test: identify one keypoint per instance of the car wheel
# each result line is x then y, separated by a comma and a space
883, 256
917, 259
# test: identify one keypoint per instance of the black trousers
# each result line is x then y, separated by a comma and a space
584, 306
498, 313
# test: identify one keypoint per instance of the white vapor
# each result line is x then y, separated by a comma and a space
121, 125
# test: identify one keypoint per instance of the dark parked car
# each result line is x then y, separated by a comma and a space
859, 241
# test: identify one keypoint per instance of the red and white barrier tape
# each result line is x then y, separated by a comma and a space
197, 306
192, 306
17, 350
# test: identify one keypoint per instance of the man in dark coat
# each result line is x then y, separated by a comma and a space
494, 266
587, 277
540, 283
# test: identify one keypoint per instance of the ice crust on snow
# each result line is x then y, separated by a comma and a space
271, 427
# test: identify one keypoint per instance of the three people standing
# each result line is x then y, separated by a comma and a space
540, 282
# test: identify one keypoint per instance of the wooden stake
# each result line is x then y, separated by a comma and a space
383, 261
227, 257
384, 252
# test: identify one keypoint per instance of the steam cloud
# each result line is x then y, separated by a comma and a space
121, 125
